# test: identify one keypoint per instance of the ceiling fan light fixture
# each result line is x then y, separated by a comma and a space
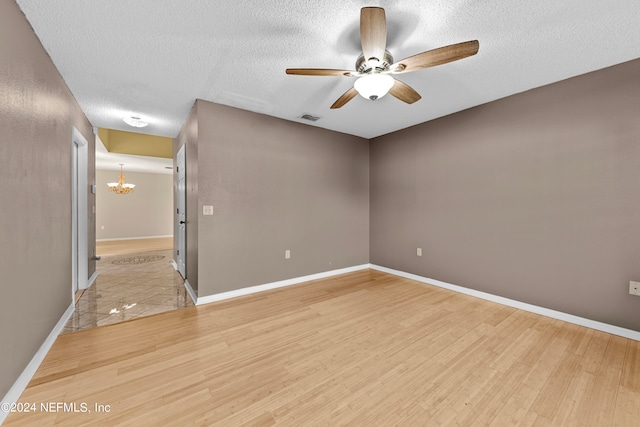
374, 86
135, 121
375, 64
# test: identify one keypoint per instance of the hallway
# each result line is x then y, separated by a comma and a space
130, 285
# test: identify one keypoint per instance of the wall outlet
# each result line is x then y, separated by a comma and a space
419, 251
207, 210
634, 288
287, 254
102, 227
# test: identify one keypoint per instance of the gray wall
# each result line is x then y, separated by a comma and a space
534, 197
276, 185
37, 112
147, 212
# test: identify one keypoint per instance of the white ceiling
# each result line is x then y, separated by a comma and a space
155, 57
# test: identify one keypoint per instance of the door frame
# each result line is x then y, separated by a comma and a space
79, 213
181, 212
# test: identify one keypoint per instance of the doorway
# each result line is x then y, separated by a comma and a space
137, 249
181, 212
79, 230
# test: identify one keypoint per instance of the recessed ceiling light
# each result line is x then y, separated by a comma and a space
135, 121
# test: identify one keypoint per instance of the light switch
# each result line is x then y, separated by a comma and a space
207, 210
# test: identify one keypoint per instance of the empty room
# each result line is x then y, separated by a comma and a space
372, 214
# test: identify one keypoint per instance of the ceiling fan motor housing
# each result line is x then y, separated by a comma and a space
367, 66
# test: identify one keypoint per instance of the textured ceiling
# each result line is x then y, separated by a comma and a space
155, 57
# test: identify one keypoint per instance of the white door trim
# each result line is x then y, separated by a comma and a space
181, 217
79, 212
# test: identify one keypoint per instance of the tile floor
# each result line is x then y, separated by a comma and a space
130, 286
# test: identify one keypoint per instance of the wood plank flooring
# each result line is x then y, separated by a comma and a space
363, 349
121, 247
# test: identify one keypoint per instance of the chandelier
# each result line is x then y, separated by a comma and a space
121, 187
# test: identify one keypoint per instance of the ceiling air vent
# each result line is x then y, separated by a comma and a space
310, 117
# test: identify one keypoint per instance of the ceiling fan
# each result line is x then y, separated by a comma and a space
375, 66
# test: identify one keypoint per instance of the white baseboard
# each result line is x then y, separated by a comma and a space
23, 380
273, 285
190, 290
186, 283
133, 238
593, 324
92, 279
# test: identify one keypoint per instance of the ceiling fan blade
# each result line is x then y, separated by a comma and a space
346, 97
434, 57
373, 32
318, 72
404, 92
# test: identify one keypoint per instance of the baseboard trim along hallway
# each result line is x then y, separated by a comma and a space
190, 290
25, 377
92, 279
117, 239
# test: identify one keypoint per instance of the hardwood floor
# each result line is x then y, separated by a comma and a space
365, 348
121, 247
